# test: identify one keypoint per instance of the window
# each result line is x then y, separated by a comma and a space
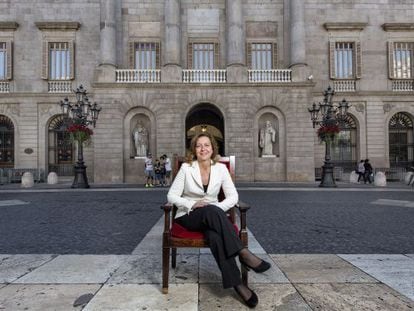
343, 149
261, 56
401, 144
144, 55
400, 59
58, 60
6, 142
203, 55
5, 61
345, 60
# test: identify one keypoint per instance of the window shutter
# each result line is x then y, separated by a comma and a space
157, 56
274, 56
190, 55
131, 55
332, 73
9, 55
71, 48
358, 59
45, 60
249, 55
391, 60
216, 56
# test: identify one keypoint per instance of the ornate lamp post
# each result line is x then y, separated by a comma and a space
331, 117
80, 115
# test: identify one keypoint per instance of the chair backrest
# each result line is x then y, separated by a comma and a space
229, 161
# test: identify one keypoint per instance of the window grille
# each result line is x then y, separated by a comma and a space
402, 60
6, 142
401, 144
3, 60
203, 56
345, 60
147, 55
344, 147
261, 56
59, 61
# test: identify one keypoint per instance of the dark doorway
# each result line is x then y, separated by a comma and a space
205, 117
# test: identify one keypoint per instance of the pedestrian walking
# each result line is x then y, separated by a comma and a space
167, 165
368, 172
361, 171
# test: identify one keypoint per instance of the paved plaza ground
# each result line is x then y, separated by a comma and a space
349, 248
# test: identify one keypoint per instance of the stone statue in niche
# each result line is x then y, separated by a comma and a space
140, 138
267, 137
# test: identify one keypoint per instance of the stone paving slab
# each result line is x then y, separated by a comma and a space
147, 269
271, 297
134, 297
397, 271
42, 297
410, 255
353, 297
13, 267
320, 268
210, 273
71, 269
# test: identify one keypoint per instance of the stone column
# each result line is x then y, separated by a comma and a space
298, 41
171, 72
235, 43
107, 62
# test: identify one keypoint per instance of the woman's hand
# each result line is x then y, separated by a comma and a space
199, 204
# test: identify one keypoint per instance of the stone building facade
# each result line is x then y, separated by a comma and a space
225, 66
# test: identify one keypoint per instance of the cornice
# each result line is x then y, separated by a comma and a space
8, 25
398, 26
55, 25
348, 26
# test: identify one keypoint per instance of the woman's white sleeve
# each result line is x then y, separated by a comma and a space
175, 193
230, 192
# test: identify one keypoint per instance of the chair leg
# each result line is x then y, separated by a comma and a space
165, 269
174, 258
245, 277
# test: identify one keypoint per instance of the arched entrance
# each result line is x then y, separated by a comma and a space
60, 148
6, 142
205, 117
401, 142
344, 148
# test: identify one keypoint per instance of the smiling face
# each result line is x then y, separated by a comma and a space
203, 149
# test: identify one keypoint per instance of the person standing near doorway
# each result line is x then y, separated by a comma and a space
361, 171
149, 171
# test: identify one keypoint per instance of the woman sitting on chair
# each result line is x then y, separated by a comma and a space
195, 194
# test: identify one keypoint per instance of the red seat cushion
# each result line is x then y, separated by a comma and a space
178, 231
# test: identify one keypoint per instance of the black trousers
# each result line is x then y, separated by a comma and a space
222, 239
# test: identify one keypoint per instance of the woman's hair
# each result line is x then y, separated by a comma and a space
192, 153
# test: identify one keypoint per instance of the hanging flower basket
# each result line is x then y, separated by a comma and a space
328, 133
80, 133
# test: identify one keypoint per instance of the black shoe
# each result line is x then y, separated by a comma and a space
264, 266
252, 301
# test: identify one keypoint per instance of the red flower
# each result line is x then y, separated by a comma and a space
79, 132
328, 132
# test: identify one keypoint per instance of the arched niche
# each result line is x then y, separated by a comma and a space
268, 135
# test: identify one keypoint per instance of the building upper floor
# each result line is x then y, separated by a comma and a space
353, 45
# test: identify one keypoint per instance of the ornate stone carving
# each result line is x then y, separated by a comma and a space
387, 107
360, 107
10, 109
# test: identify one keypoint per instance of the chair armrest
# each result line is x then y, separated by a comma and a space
167, 207
242, 206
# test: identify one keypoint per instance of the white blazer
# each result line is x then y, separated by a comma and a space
187, 188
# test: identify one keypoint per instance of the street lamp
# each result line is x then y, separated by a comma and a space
331, 117
80, 113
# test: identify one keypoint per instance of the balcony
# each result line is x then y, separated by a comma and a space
403, 85
138, 75
344, 85
204, 76
59, 86
270, 76
4, 87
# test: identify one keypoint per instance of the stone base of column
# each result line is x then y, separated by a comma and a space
300, 72
237, 74
105, 73
171, 74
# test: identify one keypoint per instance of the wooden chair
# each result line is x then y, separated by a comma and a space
175, 236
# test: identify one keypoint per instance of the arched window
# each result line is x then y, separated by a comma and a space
6, 142
344, 148
401, 143
60, 148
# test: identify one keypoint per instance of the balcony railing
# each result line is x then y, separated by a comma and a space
204, 76
403, 85
344, 86
138, 75
4, 87
270, 76
59, 86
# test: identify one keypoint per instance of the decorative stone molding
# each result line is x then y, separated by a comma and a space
347, 26
387, 108
11, 109
8, 25
398, 26
360, 107
45, 25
